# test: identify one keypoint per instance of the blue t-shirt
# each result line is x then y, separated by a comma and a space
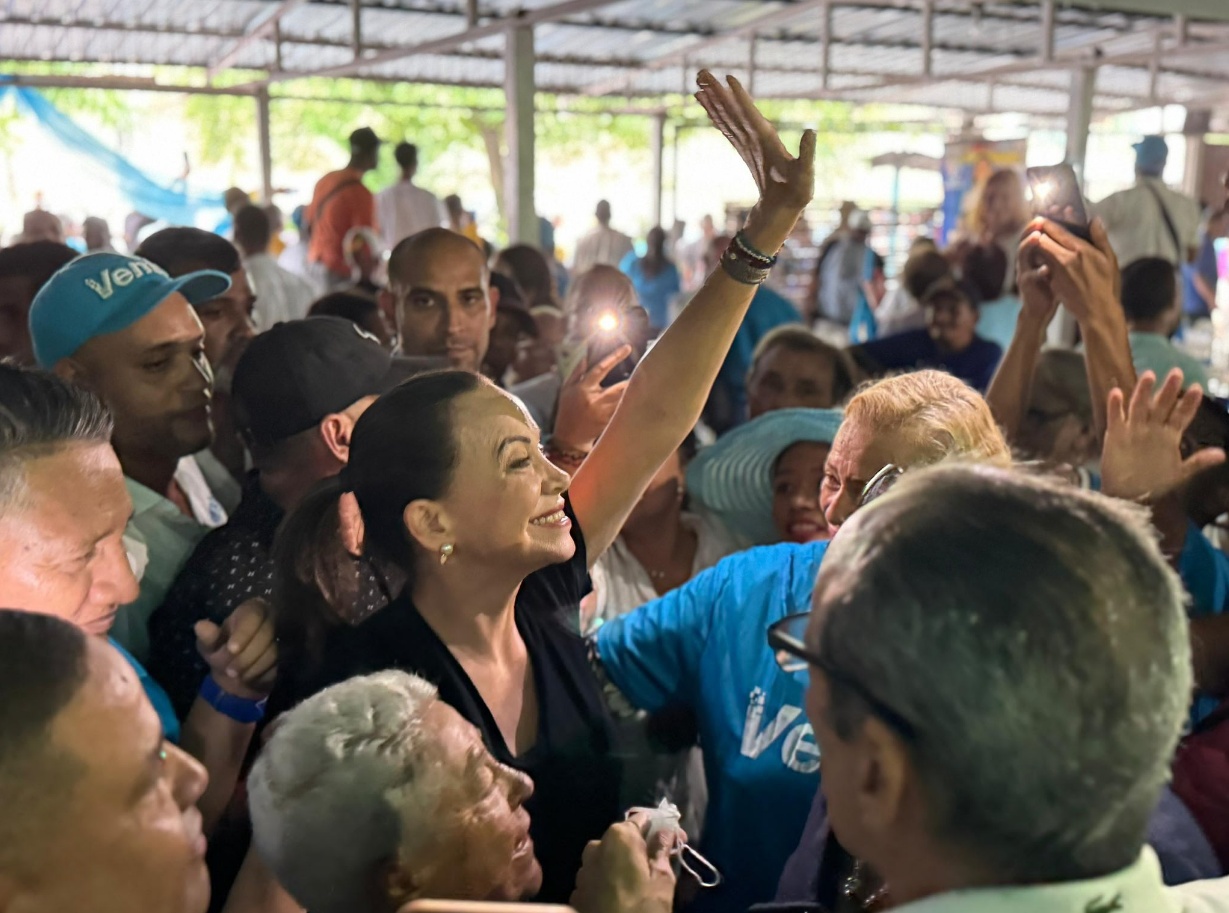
655, 292
157, 696
915, 349
767, 311
1205, 265
996, 320
705, 646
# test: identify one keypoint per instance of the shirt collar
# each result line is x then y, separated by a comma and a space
1138, 887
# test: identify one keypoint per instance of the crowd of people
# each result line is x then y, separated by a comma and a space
333, 584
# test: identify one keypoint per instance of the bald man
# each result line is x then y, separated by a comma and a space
439, 287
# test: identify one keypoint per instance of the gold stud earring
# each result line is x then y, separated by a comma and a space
445, 554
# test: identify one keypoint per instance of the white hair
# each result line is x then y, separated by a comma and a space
329, 791
1035, 639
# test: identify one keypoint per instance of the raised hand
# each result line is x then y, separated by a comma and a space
786, 182
585, 406
1142, 457
1083, 276
242, 651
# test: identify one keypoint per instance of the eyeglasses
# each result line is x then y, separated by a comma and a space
787, 638
880, 483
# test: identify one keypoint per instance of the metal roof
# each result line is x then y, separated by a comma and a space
977, 55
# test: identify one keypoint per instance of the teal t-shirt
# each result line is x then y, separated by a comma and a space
1153, 352
157, 696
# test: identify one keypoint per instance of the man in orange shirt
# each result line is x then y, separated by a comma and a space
340, 202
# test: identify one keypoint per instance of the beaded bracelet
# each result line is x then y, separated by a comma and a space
762, 260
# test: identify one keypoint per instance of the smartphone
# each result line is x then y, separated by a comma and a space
481, 906
1209, 427
607, 331
1057, 197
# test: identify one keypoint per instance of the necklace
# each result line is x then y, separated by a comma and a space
857, 887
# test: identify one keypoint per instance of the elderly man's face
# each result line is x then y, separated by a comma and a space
61, 541
479, 846
858, 452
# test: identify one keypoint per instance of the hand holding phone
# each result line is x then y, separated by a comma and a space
1057, 197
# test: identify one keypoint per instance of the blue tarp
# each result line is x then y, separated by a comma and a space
148, 196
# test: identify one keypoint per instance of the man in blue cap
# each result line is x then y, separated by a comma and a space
1149, 219
122, 328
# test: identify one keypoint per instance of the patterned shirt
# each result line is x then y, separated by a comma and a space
231, 564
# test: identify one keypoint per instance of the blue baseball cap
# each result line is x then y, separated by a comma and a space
103, 293
1151, 154
733, 477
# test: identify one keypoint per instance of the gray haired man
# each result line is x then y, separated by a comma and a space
999, 672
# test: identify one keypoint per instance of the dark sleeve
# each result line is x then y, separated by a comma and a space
887, 354
221, 573
561, 587
877, 260
993, 355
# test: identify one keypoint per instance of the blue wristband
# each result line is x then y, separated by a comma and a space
239, 709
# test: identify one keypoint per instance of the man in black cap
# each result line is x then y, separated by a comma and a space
297, 392
340, 203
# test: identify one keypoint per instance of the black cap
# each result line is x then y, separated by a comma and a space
298, 372
364, 138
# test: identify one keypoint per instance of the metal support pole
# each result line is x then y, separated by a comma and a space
928, 35
657, 146
266, 151
1047, 31
1079, 116
1062, 330
471, 13
519, 128
754, 42
825, 47
674, 173
356, 27
1154, 67
1181, 29
277, 46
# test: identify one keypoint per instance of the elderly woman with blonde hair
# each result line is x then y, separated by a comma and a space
703, 645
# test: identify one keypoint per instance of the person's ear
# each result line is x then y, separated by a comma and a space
428, 524
388, 304
336, 431
73, 371
397, 885
882, 776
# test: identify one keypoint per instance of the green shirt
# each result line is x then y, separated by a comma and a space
1153, 352
167, 538
1136, 889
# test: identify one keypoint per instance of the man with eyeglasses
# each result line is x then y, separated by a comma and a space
702, 646
994, 739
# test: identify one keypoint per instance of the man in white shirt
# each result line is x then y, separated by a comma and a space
280, 294
405, 209
1149, 219
602, 244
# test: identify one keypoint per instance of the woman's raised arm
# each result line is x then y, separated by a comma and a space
668, 390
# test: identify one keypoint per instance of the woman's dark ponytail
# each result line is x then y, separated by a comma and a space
315, 576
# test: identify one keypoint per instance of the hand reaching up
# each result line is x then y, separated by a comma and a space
1142, 457
585, 406
786, 183
1083, 276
